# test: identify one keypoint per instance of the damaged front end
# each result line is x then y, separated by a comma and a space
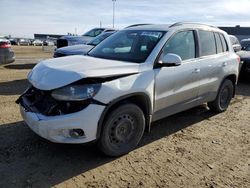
38, 101
65, 100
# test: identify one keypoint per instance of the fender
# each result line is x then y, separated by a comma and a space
148, 111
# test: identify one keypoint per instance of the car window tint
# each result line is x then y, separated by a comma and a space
224, 43
181, 44
93, 32
132, 46
99, 39
109, 30
245, 44
237, 41
218, 43
234, 40
207, 43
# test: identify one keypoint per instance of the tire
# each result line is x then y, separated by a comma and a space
122, 130
224, 96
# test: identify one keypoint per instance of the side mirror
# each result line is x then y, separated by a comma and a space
236, 48
170, 60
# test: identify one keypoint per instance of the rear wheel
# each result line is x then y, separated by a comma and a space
224, 96
122, 130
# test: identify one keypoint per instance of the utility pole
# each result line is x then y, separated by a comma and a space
114, 13
100, 24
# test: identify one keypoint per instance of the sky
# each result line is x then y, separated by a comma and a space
23, 18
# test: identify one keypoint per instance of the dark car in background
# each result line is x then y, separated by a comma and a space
247, 48
81, 49
83, 39
244, 54
6, 53
245, 43
13, 41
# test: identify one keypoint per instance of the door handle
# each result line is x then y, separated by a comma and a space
196, 70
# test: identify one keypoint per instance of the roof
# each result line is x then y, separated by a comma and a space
162, 27
166, 27
248, 39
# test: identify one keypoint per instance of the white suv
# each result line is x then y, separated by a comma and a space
138, 75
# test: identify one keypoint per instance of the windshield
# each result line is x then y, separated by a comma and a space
99, 39
93, 32
127, 45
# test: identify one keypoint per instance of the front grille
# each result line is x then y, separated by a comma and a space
61, 43
39, 101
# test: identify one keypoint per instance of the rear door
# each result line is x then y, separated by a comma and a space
213, 56
176, 88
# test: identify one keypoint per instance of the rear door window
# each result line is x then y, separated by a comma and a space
207, 43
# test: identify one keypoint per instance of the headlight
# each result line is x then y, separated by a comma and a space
76, 92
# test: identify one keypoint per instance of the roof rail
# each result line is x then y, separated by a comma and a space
134, 25
187, 23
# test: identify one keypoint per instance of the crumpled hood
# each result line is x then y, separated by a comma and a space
79, 49
55, 73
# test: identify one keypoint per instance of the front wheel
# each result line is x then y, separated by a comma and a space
224, 96
122, 131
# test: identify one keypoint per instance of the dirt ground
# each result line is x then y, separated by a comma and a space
195, 148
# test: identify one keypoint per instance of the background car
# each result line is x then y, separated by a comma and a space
245, 43
48, 43
6, 53
37, 42
81, 49
244, 53
23, 42
247, 48
84, 39
13, 41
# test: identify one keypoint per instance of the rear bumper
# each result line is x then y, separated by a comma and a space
7, 57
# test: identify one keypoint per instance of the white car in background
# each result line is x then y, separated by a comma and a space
37, 42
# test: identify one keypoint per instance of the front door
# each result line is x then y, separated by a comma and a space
177, 87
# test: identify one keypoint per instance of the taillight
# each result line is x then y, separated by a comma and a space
4, 45
238, 59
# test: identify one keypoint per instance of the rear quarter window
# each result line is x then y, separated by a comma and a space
224, 43
219, 46
207, 43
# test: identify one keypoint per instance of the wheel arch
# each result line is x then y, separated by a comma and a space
233, 79
141, 99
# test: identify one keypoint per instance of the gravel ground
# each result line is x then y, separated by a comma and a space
195, 148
